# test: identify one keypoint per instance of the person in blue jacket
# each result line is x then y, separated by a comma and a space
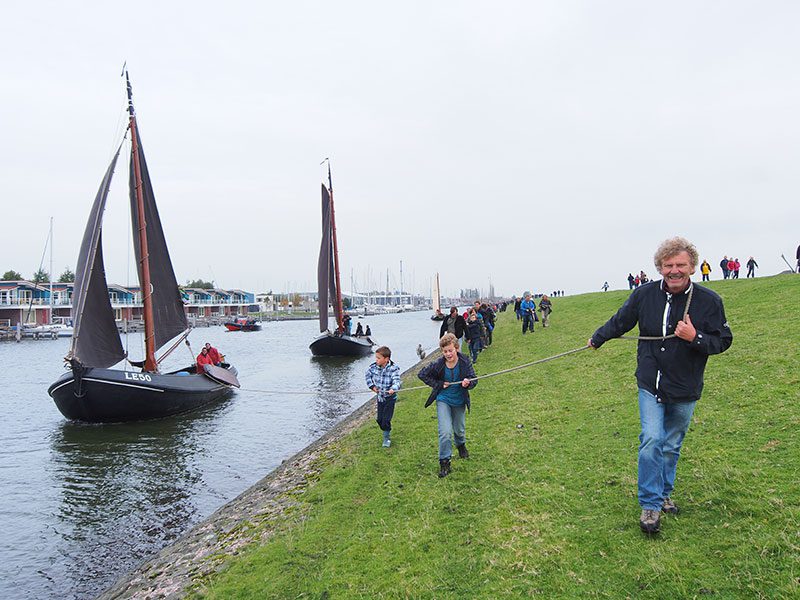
527, 308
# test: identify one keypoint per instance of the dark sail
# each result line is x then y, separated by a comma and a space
95, 341
169, 317
326, 282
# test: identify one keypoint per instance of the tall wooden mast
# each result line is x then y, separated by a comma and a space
339, 311
150, 363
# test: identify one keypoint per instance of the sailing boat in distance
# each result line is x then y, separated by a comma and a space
436, 297
338, 342
93, 392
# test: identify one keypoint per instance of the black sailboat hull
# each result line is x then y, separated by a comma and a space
340, 345
112, 396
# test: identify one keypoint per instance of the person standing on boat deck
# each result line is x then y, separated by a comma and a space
213, 354
669, 372
453, 323
383, 378
451, 376
203, 359
348, 324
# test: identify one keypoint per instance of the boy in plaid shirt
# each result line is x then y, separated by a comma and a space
383, 378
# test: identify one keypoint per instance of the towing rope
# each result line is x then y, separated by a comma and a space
488, 375
418, 387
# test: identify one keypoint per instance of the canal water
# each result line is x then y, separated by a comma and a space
80, 505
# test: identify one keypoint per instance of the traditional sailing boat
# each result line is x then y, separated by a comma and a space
436, 297
337, 343
93, 392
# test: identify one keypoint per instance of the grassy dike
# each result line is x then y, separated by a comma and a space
546, 505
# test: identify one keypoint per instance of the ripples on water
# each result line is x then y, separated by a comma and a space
81, 505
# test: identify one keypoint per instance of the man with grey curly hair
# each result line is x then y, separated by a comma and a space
680, 325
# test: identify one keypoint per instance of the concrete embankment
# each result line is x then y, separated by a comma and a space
254, 516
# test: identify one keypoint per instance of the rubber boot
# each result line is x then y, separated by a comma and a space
462, 451
444, 467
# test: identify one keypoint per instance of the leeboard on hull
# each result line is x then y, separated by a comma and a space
341, 345
112, 396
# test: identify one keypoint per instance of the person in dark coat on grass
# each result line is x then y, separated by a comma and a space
453, 323
723, 264
669, 370
451, 378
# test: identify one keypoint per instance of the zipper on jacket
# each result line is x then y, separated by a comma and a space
664, 322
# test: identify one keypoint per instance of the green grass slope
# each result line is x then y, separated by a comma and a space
546, 506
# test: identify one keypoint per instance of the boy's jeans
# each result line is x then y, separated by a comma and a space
385, 412
452, 422
663, 429
474, 348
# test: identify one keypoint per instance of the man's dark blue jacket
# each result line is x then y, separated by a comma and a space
670, 369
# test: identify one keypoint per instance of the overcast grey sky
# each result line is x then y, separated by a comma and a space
544, 145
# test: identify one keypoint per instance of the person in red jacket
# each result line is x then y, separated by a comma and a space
736, 266
213, 354
731, 267
203, 359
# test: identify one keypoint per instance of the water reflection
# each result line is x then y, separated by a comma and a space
81, 505
332, 375
126, 490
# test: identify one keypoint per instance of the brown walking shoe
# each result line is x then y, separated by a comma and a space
650, 521
669, 506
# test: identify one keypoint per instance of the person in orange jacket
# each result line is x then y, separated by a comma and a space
213, 354
203, 359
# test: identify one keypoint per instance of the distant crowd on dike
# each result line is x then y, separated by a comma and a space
680, 326
730, 268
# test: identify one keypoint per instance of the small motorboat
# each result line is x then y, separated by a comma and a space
243, 324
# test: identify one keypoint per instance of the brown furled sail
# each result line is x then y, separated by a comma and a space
95, 340
169, 317
326, 282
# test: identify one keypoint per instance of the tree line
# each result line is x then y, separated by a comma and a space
40, 276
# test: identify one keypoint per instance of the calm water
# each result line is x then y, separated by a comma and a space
80, 505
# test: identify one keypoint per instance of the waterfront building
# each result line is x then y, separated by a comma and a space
29, 303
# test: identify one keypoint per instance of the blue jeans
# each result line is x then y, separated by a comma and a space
475, 346
452, 423
527, 321
663, 429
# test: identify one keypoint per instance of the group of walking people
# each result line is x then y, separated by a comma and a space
525, 309
681, 324
730, 268
634, 281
